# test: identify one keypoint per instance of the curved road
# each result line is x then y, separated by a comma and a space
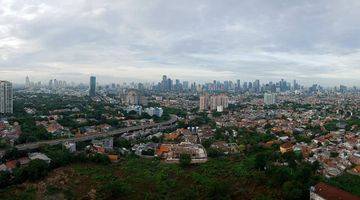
35, 145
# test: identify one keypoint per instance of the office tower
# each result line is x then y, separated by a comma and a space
238, 85
51, 83
27, 82
250, 86
92, 91
343, 88
257, 86
177, 84
245, 86
269, 98
6, 97
186, 85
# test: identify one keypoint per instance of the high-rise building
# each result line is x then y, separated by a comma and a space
27, 82
256, 86
92, 91
269, 98
6, 97
214, 102
204, 102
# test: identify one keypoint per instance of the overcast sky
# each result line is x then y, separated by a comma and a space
122, 40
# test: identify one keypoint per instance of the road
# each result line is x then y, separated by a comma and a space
36, 145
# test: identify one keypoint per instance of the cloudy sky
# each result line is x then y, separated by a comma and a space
122, 40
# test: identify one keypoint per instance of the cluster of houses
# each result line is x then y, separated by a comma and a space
9, 132
336, 152
184, 141
10, 165
103, 146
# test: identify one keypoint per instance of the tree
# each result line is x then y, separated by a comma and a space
12, 153
4, 179
114, 189
261, 160
59, 155
122, 143
100, 158
294, 190
36, 169
185, 160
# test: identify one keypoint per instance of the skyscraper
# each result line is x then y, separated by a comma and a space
27, 82
6, 97
92, 91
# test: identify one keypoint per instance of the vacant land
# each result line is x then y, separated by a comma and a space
135, 178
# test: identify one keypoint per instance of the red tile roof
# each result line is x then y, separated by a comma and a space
329, 192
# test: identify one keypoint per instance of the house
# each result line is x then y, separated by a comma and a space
171, 152
113, 158
172, 136
286, 147
12, 164
24, 161
323, 191
356, 169
106, 143
39, 156
3, 167
54, 127
71, 146
227, 148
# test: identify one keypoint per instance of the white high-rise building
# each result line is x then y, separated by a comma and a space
269, 98
6, 97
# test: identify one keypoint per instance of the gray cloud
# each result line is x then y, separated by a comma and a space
312, 41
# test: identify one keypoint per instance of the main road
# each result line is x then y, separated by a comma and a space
120, 131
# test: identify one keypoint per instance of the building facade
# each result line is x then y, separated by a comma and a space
213, 102
6, 97
269, 98
92, 90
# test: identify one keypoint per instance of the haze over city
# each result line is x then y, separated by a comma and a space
313, 42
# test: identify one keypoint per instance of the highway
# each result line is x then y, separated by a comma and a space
35, 145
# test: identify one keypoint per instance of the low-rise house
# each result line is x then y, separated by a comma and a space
106, 143
40, 156
356, 169
12, 164
3, 167
286, 147
113, 157
71, 146
23, 161
226, 148
171, 152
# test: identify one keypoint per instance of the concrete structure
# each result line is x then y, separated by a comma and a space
171, 152
207, 102
92, 90
40, 156
121, 131
71, 146
154, 111
269, 98
6, 97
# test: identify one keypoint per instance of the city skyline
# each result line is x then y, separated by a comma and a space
195, 41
